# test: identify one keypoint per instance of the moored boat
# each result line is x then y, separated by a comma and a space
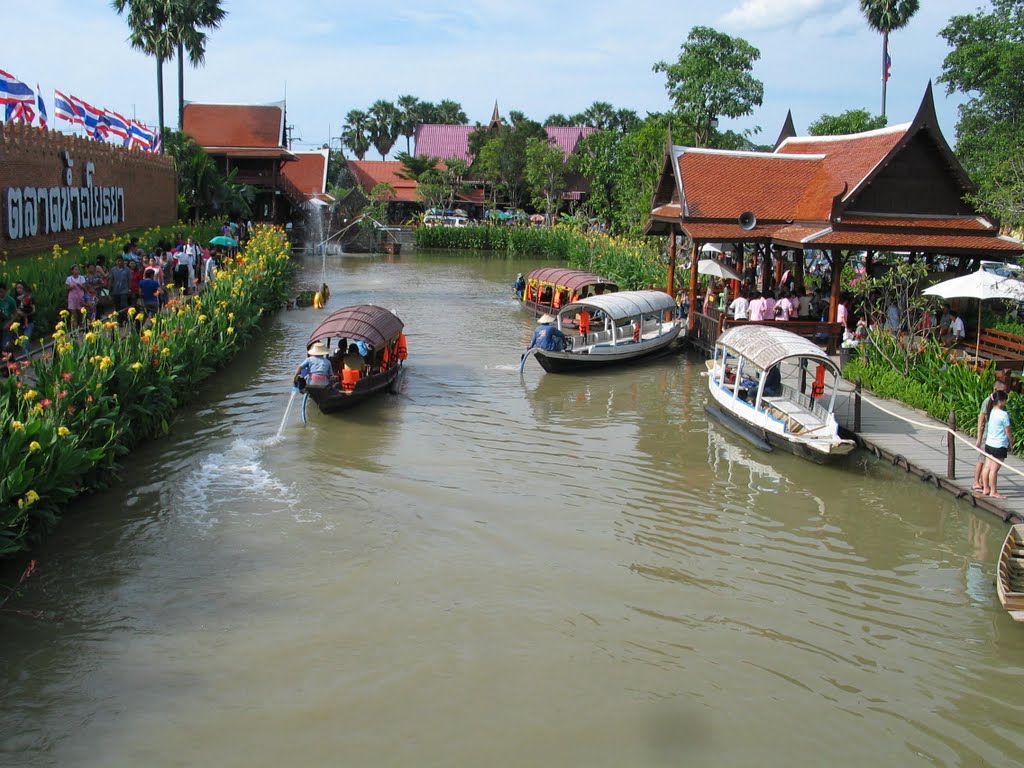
1010, 573
377, 334
762, 388
548, 289
611, 329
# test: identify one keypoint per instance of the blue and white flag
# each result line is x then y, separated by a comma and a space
139, 136
65, 109
41, 107
13, 91
116, 124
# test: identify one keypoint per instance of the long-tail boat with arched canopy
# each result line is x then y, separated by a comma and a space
548, 289
379, 335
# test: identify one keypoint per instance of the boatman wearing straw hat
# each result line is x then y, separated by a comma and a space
546, 336
316, 371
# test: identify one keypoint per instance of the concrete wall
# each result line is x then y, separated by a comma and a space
56, 188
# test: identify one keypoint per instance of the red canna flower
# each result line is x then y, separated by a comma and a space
66, 376
46, 403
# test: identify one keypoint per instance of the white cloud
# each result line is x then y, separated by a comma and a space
771, 14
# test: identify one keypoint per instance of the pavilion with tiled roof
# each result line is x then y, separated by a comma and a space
249, 139
899, 189
308, 174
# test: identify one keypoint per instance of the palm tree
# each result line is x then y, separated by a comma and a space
600, 115
354, 133
450, 113
886, 16
149, 23
408, 117
187, 20
383, 126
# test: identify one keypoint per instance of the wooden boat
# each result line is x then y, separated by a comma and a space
548, 289
762, 387
1010, 573
613, 328
381, 332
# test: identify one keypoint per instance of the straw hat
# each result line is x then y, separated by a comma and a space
545, 319
319, 349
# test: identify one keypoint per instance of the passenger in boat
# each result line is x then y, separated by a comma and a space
546, 336
519, 286
316, 370
773, 382
353, 361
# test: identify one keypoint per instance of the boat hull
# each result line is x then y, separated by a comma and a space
768, 441
1010, 573
569, 362
332, 399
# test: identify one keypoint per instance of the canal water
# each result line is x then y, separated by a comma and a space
493, 570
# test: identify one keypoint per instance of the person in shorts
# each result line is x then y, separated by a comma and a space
998, 439
983, 415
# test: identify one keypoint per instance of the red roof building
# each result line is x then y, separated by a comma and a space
308, 173
899, 188
250, 140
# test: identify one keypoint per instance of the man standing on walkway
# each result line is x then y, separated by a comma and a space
986, 411
184, 273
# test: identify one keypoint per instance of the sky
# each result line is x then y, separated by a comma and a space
536, 56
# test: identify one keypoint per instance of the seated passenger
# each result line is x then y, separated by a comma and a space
316, 371
353, 361
773, 382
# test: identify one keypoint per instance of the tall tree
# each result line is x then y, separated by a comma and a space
413, 167
987, 65
545, 174
408, 118
712, 79
149, 32
850, 121
885, 16
383, 126
600, 115
355, 133
450, 113
558, 120
187, 20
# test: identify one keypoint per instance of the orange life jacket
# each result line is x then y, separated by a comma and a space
818, 388
349, 379
584, 323
403, 350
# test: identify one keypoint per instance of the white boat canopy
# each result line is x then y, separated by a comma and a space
766, 345
624, 304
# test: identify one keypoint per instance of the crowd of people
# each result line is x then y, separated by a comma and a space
140, 278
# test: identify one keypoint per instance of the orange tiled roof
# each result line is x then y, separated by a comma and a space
309, 173
370, 173
939, 242
235, 125
975, 223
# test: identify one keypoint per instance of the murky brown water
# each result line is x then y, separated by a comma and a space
494, 571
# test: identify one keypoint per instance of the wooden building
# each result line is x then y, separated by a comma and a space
897, 189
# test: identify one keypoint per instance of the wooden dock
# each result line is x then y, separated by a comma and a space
923, 453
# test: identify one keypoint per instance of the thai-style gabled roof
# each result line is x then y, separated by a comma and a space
894, 188
257, 126
788, 130
309, 173
452, 141
370, 173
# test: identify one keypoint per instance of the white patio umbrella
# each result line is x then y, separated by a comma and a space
979, 285
716, 268
710, 248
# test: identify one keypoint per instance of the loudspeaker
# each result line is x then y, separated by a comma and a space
748, 220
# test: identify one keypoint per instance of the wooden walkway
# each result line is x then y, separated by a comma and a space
922, 452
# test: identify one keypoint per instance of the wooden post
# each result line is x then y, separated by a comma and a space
766, 259
798, 272
856, 405
672, 263
951, 449
837, 277
777, 259
692, 317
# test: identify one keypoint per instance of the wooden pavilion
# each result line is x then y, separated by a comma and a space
898, 189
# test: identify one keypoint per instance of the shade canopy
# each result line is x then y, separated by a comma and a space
766, 345
716, 268
979, 285
228, 242
623, 305
572, 279
373, 325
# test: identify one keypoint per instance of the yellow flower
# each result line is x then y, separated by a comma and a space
231, 330
136, 365
37, 408
15, 326
169, 286
20, 341
17, 426
30, 395
63, 431
147, 335
58, 334
105, 363
165, 351
64, 313
31, 497
84, 311
231, 315
202, 318
132, 311
34, 445
59, 326
97, 323
90, 336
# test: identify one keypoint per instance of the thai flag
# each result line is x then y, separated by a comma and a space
42, 108
94, 124
64, 108
20, 112
139, 136
13, 91
158, 144
116, 124
888, 63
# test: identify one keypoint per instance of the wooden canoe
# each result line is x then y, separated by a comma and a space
1010, 573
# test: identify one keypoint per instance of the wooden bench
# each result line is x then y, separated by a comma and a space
1005, 350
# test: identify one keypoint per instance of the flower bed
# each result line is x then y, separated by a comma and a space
68, 415
630, 262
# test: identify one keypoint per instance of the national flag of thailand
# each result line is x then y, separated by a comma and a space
65, 109
13, 90
158, 144
888, 63
20, 112
41, 106
116, 124
94, 124
139, 136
